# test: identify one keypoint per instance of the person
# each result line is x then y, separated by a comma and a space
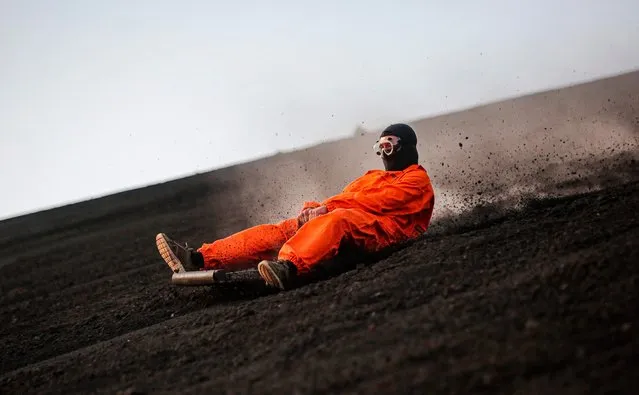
377, 210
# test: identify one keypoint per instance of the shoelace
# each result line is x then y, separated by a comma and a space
175, 244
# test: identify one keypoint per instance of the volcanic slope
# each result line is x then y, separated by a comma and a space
540, 301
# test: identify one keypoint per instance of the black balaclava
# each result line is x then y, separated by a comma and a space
405, 154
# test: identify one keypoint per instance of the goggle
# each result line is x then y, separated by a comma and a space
386, 145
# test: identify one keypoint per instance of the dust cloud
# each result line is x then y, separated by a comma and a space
484, 160
554, 143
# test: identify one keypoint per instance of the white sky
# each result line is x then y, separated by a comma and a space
102, 96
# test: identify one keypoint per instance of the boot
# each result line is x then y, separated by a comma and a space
179, 257
278, 274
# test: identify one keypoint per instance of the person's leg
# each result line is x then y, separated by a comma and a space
319, 240
235, 252
247, 248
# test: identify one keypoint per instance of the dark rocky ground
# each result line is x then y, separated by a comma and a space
539, 302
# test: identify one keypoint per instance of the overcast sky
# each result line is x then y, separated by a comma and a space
102, 96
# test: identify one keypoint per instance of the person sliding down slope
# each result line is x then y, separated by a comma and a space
375, 211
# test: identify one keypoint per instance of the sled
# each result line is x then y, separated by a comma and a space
212, 277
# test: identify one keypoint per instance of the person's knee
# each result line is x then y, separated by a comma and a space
342, 215
347, 217
337, 219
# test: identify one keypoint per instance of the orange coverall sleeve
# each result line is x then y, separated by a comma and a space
409, 195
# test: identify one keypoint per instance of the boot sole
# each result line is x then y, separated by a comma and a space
168, 255
269, 275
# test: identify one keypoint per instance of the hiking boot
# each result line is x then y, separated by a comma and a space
279, 274
177, 256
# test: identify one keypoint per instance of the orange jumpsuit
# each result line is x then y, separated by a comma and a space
379, 209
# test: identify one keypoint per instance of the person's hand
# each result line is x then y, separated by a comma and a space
310, 213
303, 217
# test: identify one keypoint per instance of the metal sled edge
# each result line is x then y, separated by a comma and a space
211, 277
